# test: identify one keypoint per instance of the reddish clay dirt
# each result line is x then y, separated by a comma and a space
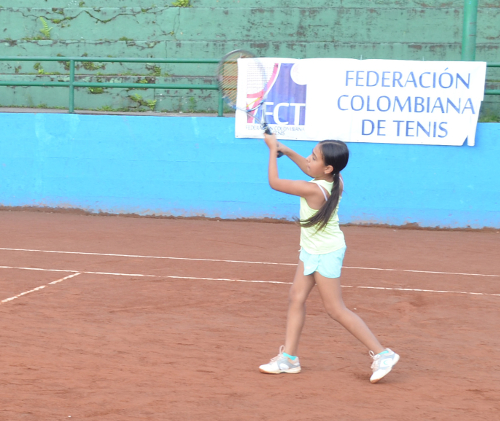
130, 347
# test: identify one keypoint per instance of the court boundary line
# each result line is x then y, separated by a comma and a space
38, 288
243, 261
235, 280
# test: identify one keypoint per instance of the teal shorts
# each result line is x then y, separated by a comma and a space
329, 265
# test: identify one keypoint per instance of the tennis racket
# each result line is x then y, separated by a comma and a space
260, 79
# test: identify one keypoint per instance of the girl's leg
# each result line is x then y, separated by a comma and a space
331, 294
301, 287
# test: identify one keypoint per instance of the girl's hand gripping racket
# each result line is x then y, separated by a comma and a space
259, 82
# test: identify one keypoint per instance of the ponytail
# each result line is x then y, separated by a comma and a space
336, 154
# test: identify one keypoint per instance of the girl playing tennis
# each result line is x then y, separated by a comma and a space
322, 252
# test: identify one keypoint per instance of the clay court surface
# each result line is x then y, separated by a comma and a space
169, 319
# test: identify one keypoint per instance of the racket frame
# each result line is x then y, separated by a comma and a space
235, 55
232, 101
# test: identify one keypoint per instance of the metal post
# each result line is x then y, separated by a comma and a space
71, 107
469, 30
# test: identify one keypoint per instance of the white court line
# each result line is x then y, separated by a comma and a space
149, 257
38, 288
142, 275
244, 261
422, 290
237, 280
422, 271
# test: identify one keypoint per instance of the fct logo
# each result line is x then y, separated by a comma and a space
285, 103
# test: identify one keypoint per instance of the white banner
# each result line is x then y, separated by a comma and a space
377, 101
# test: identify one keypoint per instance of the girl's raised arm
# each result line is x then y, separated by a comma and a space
294, 187
294, 156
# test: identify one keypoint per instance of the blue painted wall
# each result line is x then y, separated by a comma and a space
193, 166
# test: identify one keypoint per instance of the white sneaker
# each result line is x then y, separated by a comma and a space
382, 364
281, 364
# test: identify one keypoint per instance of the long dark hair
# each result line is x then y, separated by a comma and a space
336, 154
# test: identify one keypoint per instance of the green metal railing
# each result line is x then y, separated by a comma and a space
72, 84
492, 91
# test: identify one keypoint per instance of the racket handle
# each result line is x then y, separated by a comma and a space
266, 128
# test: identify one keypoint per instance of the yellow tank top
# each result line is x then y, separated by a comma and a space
326, 240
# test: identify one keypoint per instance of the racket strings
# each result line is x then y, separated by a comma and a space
258, 81
228, 80
228, 75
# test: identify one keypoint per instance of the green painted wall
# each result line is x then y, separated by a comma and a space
389, 29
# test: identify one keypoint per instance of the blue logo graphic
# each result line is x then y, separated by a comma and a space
285, 103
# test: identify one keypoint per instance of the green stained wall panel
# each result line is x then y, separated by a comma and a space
76, 24
384, 29
244, 3
333, 24
244, 24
